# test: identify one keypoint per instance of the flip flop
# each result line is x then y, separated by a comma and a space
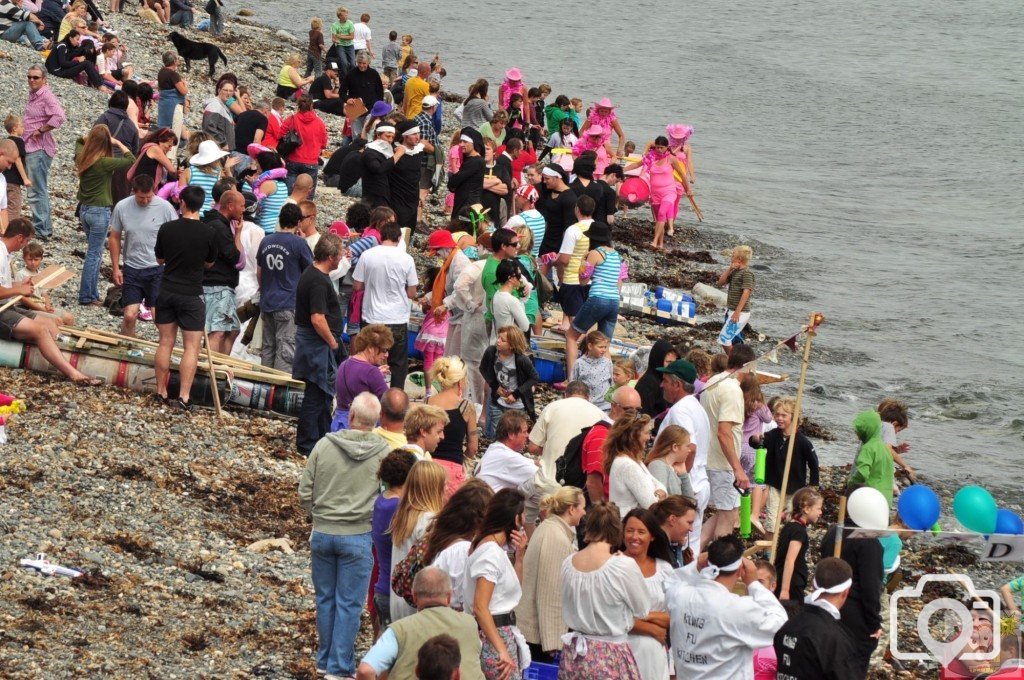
88, 382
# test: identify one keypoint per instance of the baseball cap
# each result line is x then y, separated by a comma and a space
428, 101
682, 369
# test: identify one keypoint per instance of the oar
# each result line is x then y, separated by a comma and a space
213, 376
56, 276
696, 208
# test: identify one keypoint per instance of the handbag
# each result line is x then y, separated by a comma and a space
289, 143
545, 289
406, 570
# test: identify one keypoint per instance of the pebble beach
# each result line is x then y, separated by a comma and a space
161, 509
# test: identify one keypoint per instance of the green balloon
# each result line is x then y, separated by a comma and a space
975, 508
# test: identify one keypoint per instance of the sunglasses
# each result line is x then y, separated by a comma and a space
514, 245
35, 77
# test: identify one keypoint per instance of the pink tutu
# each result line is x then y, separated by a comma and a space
432, 334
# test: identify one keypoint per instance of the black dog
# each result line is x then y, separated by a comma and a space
190, 49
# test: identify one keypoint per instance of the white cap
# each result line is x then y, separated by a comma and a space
429, 100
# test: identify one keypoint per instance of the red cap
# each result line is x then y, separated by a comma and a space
340, 228
442, 238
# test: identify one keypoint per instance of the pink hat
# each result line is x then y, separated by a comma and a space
339, 228
256, 149
595, 130
605, 104
514, 74
529, 192
679, 132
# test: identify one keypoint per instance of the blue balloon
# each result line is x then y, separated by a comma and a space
919, 507
1007, 522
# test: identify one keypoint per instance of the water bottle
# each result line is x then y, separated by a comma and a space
761, 457
745, 515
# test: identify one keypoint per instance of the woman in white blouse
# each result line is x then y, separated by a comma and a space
422, 498
630, 483
451, 531
603, 594
646, 543
492, 587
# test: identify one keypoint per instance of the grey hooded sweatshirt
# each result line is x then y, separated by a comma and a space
340, 484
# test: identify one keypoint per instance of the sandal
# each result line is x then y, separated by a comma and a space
88, 382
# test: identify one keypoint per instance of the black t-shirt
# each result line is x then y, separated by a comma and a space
167, 79
246, 125
11, 174
598, 191
491, 200
467, 184
559, 213
318, 86
315, 294
186, 246
792, 531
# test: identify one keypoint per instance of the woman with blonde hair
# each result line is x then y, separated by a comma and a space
289, 80
630, 483
529, 263
670, 460
422, 499
540, 610
95, 166
460, 443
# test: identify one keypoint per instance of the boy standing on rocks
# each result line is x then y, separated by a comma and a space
741, 287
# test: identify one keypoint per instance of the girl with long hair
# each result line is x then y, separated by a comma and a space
630, 483
393, 473
422, 499
670, 458
646, 543
450, 534
676, 515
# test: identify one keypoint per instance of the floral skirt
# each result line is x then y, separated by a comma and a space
602, 660
489, 655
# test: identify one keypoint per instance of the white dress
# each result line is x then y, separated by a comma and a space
651, 656
399, 607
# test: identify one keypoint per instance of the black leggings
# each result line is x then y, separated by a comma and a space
90, 69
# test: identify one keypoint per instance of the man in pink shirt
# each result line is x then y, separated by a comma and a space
43, 114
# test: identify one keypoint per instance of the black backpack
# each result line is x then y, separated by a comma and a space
569, 466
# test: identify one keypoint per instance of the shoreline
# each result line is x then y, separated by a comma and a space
159, 507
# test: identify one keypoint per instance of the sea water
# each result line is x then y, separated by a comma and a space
871, 151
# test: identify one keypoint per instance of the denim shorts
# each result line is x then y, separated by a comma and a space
221, 310
602, 312
141, 285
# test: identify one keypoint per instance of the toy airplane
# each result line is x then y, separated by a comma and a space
44, 566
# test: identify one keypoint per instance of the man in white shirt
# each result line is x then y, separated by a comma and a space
559, 422
388, 277
503, 465
722, 400
677, 385
714, 632
361, 36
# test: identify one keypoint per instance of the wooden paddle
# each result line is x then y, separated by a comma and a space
48, 279
213, 376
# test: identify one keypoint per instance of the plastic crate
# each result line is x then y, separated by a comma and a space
541, 671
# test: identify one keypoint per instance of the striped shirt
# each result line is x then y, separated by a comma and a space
575, 244
360, 246
534, 221
270, 207
605, 282
204, 180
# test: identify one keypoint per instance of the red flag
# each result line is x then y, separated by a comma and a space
791, 342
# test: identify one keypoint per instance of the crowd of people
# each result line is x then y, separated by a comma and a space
595, 532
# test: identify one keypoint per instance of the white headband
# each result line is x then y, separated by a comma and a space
385, 128
412, 131
467, 138
550, 173
834, 590
712, 571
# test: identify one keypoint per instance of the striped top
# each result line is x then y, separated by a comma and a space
270, 207
198, 178
605, 282
532, 220
576, 244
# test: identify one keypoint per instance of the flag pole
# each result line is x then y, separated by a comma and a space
816, 320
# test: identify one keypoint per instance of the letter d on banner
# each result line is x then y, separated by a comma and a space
1004, 548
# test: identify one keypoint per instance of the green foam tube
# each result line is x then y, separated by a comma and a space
761, 457
745, 516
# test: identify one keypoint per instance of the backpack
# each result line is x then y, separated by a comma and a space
569, 466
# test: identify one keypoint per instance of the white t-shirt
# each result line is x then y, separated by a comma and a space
688, 414
559, 422
3, 193
5, 266
452, 560
386, 272
491, 562
502, 468
360, 34
724, 403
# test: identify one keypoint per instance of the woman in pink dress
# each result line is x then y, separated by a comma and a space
513, 84
595, 139
662, 166
454, 163
602, 115
679, 144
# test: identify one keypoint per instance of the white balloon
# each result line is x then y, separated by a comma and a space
868, 508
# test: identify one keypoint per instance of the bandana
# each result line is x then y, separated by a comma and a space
549, 172
834, 590
712, 571
466, 138
385, 128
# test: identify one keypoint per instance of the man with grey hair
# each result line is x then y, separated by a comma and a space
397, 649
318, 346
677, 387
338, 489
43, 114
364, 83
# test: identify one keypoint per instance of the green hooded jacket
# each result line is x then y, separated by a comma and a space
874, 466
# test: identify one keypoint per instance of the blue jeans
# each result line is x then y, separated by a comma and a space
601, 311
494, 414
296, 169
183, 17
341, 577
24, 29
346, 58
96, 222
37, 166
315, 416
